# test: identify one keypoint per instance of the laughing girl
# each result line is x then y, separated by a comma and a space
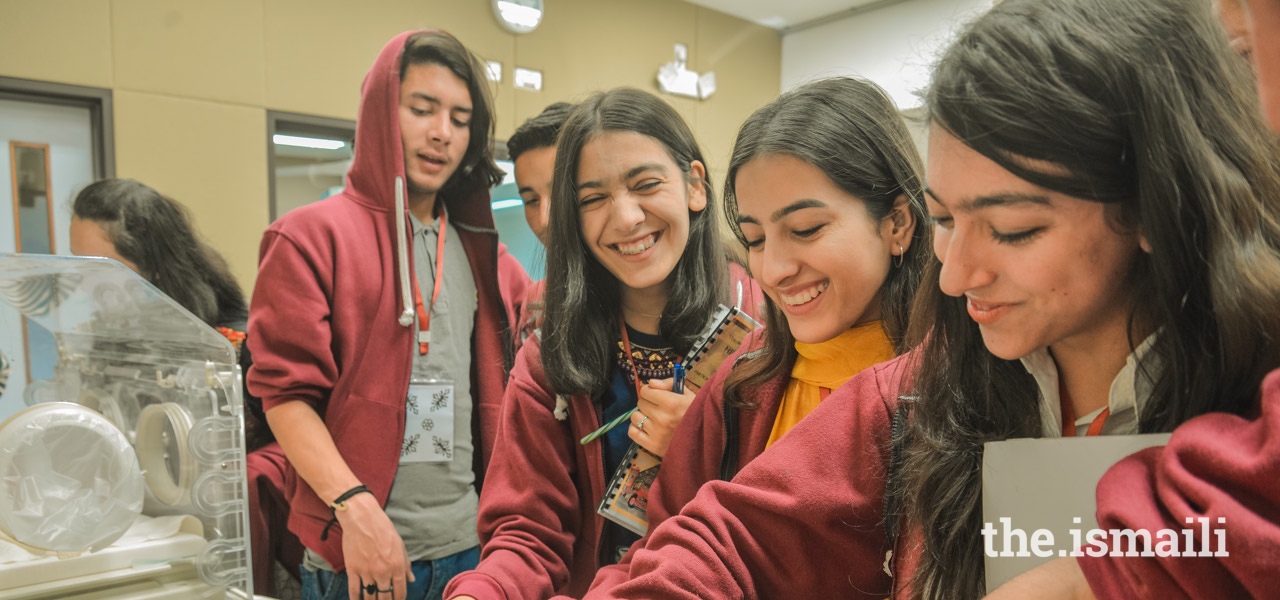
635, 270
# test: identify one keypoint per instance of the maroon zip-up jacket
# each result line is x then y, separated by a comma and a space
1214, 466
323, 323
803, 520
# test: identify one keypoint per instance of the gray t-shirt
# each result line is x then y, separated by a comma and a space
433, 505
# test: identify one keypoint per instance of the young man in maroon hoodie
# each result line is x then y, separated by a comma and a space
380, 334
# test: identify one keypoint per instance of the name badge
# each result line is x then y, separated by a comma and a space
428, 427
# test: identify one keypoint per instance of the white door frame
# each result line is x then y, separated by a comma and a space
97, 100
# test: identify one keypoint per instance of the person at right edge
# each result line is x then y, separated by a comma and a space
380, 336
1215, 466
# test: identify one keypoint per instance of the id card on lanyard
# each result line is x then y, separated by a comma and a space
428, 425
429, 405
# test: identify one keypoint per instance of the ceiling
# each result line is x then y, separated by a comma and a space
782, 14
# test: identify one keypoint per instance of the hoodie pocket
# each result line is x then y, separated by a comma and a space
367, 433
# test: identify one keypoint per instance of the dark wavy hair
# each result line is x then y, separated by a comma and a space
1139, 105
155, 233
540, 131
440, 48
583, 300
851, 131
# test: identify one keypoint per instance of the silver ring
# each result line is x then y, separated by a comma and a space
643, 419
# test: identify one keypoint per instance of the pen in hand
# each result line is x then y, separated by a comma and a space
590, 437
677, 386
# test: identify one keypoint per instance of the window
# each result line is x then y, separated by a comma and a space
307, 158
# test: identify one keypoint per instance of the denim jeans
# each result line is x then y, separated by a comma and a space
430, 577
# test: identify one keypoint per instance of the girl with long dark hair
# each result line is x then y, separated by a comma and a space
1100, 184
824, 193
634, 272
1143, 293
1218, 467
131, 222
151, 234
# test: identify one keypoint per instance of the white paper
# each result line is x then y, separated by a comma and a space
1045, 485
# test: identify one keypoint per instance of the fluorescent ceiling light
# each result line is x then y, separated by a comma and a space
529, 79
524, 16
501, 204
307, 142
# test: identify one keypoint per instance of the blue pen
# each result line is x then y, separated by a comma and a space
677, 377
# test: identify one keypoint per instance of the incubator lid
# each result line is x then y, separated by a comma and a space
97, 306
68, 479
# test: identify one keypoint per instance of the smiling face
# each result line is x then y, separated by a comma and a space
534, 171
1038, 268
634, 205
813, 247
435, 127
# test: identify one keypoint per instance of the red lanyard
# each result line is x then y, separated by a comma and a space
626, 347
424, 313
1069, 417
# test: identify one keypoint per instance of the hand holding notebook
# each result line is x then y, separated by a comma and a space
677, 387
660, 410
626, 497
722, 337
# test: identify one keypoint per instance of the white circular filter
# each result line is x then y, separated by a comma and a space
69, 480
164, 454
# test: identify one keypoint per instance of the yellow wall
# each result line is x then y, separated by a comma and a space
193, 79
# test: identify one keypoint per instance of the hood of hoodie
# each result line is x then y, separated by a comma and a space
379, 153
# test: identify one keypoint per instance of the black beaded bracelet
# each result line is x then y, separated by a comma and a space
340, 503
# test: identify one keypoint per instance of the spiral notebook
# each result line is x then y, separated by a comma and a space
724, 334
626, 498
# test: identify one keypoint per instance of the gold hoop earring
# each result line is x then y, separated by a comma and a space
901, 257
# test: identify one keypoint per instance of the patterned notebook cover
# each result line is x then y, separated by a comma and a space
626, 498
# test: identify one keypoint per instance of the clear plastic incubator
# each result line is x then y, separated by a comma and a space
122, 475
